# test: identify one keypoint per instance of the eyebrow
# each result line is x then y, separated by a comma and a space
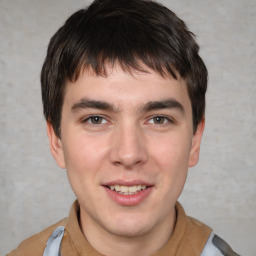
86, 103
164, 104
149, 106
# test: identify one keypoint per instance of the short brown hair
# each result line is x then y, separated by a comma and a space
130, 32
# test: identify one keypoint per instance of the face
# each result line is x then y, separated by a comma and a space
127, 142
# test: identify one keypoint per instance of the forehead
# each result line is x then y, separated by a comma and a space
122, 87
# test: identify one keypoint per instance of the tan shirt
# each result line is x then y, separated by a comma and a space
188, 238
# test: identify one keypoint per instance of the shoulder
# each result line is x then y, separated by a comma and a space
193, 233
35, 244
197, 229
201, 236
197, 234
216, 246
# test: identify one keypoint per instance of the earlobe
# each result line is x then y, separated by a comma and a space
196, 142
55, 146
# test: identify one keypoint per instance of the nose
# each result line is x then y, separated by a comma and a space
128, 146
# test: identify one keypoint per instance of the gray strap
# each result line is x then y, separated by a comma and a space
216, 246
210, 249
53, 244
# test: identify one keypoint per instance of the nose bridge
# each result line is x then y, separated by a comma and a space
129, 146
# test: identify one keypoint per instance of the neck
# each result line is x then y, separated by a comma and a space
110, 244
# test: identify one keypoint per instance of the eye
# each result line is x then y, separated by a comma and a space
95, 120
160, 120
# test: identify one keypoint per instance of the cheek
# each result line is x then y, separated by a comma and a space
83, 160
172, 152
171, 157
84, 151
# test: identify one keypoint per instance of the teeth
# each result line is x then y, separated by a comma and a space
128, 190
124, 189
132, 189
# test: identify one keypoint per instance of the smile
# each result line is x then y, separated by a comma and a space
127, 190
128, 193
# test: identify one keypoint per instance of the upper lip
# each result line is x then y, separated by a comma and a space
127, 183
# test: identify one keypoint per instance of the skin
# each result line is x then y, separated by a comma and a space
126, 140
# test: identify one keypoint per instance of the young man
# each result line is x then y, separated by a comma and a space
123, 91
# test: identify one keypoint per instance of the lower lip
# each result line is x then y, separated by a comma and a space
128, 200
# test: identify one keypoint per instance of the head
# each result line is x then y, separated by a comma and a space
123, 91
135, 34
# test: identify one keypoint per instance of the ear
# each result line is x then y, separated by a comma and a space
196, 141
55, 146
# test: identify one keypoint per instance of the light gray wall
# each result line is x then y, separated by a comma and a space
220, 191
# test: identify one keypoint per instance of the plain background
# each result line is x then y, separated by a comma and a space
220, 191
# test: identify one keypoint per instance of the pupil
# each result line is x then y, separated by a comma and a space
159, 119
96, 120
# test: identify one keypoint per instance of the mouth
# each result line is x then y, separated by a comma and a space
128, 193
127, 190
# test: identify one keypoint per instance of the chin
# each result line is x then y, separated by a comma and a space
130, 232
130, 227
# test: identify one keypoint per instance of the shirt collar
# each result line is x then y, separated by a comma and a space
182, 229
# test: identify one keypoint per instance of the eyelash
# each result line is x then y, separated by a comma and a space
165, 122
165, 119
90, 118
